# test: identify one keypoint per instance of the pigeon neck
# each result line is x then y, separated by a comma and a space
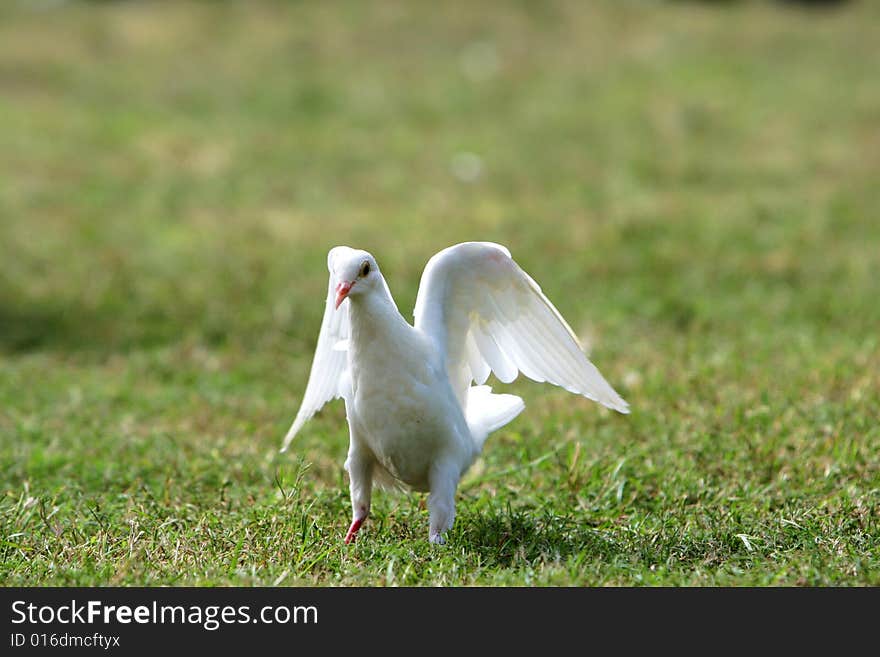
373, 315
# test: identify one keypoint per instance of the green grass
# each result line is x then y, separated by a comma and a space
695, 185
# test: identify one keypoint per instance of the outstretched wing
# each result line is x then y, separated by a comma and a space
487, 314
328, 366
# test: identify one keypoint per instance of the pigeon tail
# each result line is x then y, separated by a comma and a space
487, 412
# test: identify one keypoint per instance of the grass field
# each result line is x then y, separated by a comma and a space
695, 185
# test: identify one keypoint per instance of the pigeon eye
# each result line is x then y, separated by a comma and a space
365, 269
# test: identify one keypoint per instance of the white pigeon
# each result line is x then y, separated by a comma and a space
414, 416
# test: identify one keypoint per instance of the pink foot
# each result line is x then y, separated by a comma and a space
353, 530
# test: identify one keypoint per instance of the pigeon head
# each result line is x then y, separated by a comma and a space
354, 272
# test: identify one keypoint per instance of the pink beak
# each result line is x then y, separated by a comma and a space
342, 291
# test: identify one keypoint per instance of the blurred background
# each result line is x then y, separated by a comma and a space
694, 184
177, 170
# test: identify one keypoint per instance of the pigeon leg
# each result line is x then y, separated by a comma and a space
443, 481
360, 472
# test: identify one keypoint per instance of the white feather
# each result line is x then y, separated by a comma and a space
473, 296
328, 366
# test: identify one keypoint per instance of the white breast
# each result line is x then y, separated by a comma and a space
402, 405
